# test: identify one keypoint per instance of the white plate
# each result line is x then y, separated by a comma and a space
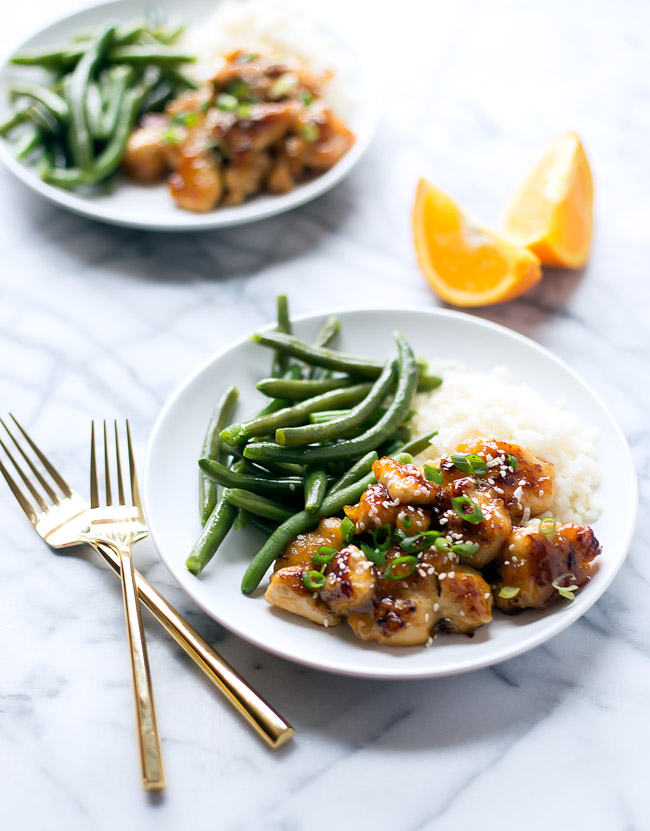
171, 496
152, 207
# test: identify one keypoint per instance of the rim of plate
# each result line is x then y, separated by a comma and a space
555, 624
265, 207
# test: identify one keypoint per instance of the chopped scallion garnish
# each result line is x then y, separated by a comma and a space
420, 541
406, 522
547, 526
313, 580
461, 504
513, 461
465, 549
227, 102
508, 592
347, 530
383, 537
306, 98
469, 463
566, 591
324, 555
406, 559
376, 557
433, 474
309, 133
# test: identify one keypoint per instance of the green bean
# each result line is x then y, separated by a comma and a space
121, 78
358, 469
418, 444
319, 355
328, 332
42, 95
311, 433
143, 54
171, 33
180, 79
255, 504
28, 142
428, 382
315, 487
264, 486
331, 505
327, 415
239, 433
213, 448
213, 534
280, 359
299, 390
81, 143
14, 120
94, 109
371, 439
43, 119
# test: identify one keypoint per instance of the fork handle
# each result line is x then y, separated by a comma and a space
151, 762
261, 716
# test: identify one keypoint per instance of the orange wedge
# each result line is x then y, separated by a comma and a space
466, 264
552, 212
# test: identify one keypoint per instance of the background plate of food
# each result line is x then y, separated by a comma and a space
506, 407
102, 113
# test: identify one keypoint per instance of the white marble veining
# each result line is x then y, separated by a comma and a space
98, 321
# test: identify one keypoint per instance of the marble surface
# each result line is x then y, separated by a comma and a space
98, 321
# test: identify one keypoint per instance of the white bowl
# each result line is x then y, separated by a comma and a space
151, 207
172, 512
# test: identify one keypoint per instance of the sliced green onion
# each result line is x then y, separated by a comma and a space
469, 463
387, 532
398, 561
460, 503
442, 543
566, 591
406, 522
324, 555
244, 110
419, 541
376, 557
186, 119
547, 526
306, 98
309, 133
313, 580
227, 102
239, 89
433, 474
508, 592
172, 136
347, 530
512, 461
465, 549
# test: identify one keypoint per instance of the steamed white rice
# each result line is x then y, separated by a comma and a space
256, 26
486, 404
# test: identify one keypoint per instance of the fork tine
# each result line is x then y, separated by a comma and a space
46, 487
54, 473
39, 499
120, 484
107, 470
135, 492
20, 496
94, 484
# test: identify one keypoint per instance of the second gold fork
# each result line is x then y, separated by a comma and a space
119, 525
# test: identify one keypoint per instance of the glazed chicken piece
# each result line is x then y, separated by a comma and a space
465, 600
530, 485
350, 583
327, 137
403, 619
144, 158
375, 508
261, 128
287, 591
243, 178
489, 534
197, 182
532, 560
300, 551
405, 483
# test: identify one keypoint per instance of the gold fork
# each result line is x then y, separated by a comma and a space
120, 526
62, 518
